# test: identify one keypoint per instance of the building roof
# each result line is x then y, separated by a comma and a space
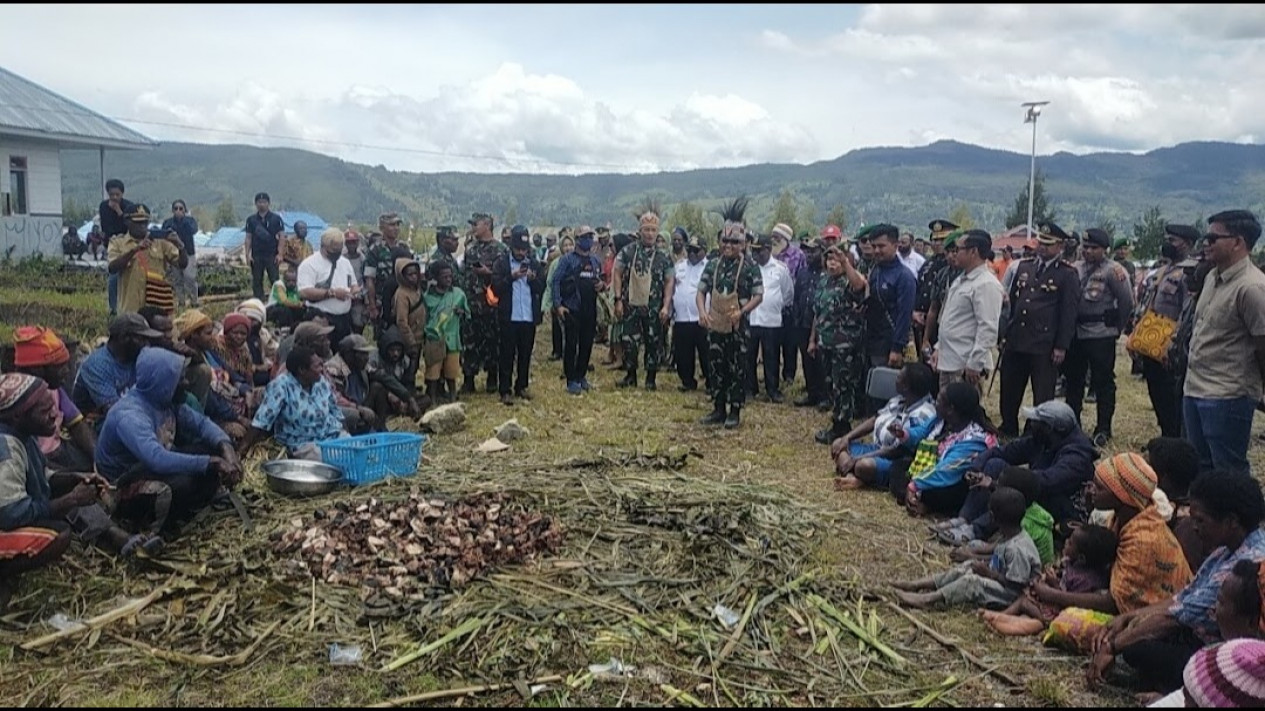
315, 225
29, 110
227, 238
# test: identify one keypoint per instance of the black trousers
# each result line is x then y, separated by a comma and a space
1097, 356
769, 342
578, 330
794, 344
689, 343
1161, 662
258, 266
555, 334
516, 346
1165, 397
341, 324
1017, 369
814, 372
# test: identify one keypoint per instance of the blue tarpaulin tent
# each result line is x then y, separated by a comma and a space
232, 237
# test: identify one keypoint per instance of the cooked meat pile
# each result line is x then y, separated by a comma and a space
402, 548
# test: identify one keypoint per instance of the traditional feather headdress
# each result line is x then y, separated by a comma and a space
648, 213
732, 213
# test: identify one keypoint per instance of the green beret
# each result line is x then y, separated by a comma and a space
952, 238
1120, 243
864, 232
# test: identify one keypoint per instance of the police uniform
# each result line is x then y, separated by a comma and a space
928, 278
481, 332
1165, 295
1105, 298
1044, 298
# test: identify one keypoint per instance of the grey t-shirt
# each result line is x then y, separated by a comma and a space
1017, 559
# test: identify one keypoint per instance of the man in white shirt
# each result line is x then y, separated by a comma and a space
766, 320
689, 339
971, 312
327, 283
909, 257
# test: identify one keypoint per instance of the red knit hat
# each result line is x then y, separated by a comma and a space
36, 346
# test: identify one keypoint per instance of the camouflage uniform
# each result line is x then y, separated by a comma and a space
927, 277
480, 333
727, 352
380, 266
641, 324
839, 318
437, 256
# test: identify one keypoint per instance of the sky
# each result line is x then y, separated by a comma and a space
614, 88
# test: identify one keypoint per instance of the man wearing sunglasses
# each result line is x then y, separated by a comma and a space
1227, 350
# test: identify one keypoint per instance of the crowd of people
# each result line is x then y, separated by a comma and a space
1144, 557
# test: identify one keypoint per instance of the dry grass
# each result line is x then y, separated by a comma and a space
871, 541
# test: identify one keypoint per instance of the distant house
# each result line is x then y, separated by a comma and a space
35, 126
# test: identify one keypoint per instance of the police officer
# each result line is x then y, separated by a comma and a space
481, 336
1105, 300
927, 277
1044, 299
1163, 296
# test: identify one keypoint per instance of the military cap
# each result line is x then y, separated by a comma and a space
951, 238
389, 218
1185, 232
478, 217
139, 213
1121, 243
940, 228
1050, 233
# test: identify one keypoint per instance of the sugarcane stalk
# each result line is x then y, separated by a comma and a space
856, 630
456, 633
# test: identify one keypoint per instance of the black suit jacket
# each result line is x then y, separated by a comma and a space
503, 287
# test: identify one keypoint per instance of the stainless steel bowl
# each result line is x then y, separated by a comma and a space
298, 477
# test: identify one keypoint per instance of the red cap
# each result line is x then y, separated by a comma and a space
831, 232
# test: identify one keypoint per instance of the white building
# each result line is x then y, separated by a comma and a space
35, 126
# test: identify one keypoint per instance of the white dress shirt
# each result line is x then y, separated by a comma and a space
779, 290
313, 272
913, 262
968, 324
684, 308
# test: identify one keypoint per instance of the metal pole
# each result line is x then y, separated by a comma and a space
1032, 175
101, 157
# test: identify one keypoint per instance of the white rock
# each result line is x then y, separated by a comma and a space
511, 431
446, 419
492, 445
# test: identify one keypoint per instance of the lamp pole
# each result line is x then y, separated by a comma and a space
1034, 110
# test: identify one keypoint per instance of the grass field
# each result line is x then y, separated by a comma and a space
232, 590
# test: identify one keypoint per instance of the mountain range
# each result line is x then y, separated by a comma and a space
903, 186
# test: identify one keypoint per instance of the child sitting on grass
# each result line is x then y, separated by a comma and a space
1036, 520
993, 584
1086, 568
1238, 610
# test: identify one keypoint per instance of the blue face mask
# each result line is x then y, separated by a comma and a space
584, 244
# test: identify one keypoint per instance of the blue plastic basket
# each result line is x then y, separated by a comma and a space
365, 459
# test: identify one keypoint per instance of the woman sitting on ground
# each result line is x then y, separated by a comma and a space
232, 356
936, 483
261, 342
897, 429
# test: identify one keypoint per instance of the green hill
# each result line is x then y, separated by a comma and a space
905, 186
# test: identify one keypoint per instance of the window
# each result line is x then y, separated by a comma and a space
15, 202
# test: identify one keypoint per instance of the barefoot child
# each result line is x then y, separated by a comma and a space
1086, 568
993, 584
1036, 520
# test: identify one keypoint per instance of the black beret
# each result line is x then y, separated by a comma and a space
1097, 237
1186, 232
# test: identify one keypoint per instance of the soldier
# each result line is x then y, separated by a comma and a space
482, 336
927, 276
445, 251
380, 271
736, 289
1044, 298
1163, 298
838, 334
1121, 250
643, 282
940, 288
1106, 297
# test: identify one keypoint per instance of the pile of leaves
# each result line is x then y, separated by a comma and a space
403, 548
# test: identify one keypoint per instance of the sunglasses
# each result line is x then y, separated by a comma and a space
732, 240
1213, 237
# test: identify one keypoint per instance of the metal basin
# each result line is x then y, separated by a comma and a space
298, 477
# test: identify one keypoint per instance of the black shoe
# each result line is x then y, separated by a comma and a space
776, 398
493, 384
716, 417
832, 433
1008, 433
507, 399
824, 405
650, 384
807, 401
1101, 439
451, 387
687, 388
467, 387
554, 356
629, 381
734, 419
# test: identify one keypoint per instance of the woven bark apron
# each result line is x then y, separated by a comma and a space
723, 304
638, 283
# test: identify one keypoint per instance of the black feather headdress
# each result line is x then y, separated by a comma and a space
734, 211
